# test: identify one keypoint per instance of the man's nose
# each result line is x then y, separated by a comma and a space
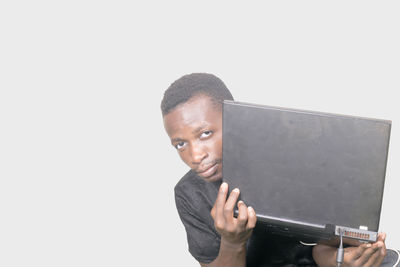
198, 154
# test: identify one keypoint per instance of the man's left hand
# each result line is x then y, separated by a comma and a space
365, 255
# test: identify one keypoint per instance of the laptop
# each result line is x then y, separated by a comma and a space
307, 174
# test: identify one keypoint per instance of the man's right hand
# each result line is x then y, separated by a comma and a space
233, 231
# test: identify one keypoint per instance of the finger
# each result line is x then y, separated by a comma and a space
219, 204
251, 218
382, 237
377, 257
242, 216
230, 205
368, 254
373, 254
357, 252
213, 212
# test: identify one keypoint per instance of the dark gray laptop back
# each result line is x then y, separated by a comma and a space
309, 168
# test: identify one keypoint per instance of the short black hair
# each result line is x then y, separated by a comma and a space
191, 85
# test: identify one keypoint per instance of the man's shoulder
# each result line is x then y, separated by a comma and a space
187, 184
193, 191
187, 178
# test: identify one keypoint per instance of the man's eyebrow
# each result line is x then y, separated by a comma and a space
198, 129
176, 140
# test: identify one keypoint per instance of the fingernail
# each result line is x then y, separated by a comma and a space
236, 190
224, 186
368, 245
250, 209
240, 202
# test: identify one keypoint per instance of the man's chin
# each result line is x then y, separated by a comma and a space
213, 178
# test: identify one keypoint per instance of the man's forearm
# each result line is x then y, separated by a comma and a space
232, 255
325, 256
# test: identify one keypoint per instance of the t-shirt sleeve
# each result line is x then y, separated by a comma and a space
202, 240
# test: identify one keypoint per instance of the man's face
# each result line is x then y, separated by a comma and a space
195, 130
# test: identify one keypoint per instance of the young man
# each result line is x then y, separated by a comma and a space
192, 113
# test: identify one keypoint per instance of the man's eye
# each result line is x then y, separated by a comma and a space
179, 145
206, 134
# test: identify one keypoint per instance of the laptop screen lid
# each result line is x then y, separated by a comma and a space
307, 172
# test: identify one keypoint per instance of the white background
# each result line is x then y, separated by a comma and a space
86, 169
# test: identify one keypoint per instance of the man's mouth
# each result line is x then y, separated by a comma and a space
208, 171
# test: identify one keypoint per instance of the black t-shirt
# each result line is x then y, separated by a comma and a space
195, 198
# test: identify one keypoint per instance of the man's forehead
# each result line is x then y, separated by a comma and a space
195, 113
